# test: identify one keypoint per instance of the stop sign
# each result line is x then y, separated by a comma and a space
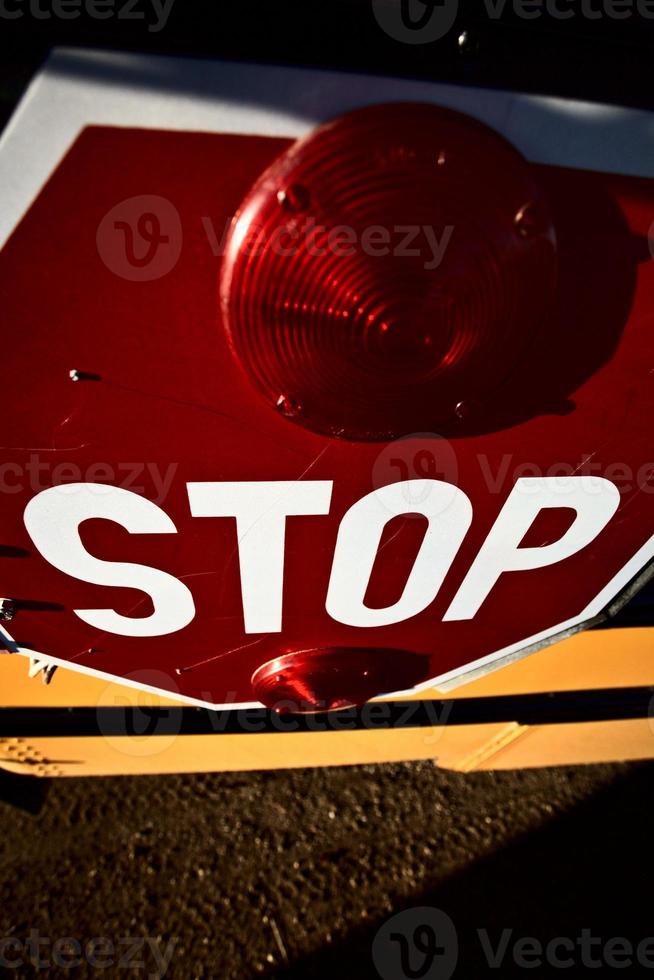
170, 509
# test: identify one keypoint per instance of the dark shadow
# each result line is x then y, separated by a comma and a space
26, 793
588, 869
602, 58
598, 259
36, 605
10, 551
638, 611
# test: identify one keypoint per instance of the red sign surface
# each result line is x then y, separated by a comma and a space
260, 537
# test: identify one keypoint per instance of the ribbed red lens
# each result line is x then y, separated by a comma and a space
388, 271
307, 681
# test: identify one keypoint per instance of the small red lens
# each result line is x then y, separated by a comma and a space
387, 272
309, 681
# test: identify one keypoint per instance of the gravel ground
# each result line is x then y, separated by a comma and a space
291, 874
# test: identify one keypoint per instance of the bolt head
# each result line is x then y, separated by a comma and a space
7, 610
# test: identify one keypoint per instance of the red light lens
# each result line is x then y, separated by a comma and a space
309, 681
388, 272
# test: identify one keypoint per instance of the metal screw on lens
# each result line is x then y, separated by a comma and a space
294, 197
468, 44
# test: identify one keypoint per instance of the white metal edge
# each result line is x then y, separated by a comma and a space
78, 88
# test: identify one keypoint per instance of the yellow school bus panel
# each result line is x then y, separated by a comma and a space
611, 658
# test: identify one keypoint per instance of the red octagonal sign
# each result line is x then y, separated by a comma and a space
335, 418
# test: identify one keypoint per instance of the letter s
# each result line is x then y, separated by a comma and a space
52, 519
